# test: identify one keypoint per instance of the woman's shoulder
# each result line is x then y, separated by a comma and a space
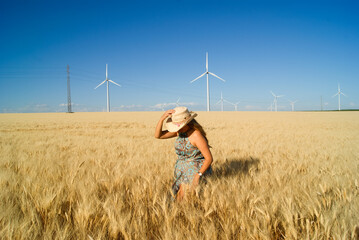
196, 134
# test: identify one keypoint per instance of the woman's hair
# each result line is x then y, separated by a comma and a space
193, 124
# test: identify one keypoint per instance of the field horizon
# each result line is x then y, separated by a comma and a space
99, 175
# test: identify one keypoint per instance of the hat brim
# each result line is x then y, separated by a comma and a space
175, 127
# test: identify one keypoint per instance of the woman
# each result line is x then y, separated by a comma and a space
194, 157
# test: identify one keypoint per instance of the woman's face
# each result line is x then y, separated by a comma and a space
184, 129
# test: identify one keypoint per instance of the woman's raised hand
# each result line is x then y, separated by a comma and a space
167, 113
164, 134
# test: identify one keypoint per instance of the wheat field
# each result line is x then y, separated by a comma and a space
283, 175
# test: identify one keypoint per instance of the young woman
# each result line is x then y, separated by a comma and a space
194, 157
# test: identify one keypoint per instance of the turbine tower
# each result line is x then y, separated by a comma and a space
206, 73
292, 104
338, 93
107, 81
275, 100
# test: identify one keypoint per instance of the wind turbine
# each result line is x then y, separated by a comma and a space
326, 104
275, 100
206, 73
163, 105
107, 81
221, 101
292, 104
234, 104
177, 102
271, 107
338, 93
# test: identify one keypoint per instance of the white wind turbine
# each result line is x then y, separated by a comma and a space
292, 104
275, 100
271, 107
107, 81
206, 73
326, 104
338, 93
234, 104
221, 102
163, 105
177, 102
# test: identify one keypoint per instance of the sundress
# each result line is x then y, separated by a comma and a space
189, 162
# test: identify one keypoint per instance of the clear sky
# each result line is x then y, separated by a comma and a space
300, 49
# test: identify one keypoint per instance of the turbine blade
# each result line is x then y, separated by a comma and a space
343, 94
100, 84
280, 96
206, 61
178, 100
335, 94
198, 77
272, 93
114, 83
106, 71
216, 76
219, 101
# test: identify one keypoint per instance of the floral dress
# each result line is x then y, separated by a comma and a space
189, 162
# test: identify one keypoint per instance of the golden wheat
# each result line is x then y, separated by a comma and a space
104, 176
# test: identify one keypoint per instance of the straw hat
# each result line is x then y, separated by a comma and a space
178, 119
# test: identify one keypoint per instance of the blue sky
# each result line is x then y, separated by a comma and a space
300, 49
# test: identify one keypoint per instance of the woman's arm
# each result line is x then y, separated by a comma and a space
164, 134
201, 143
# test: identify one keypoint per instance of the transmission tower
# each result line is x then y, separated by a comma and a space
68, 91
